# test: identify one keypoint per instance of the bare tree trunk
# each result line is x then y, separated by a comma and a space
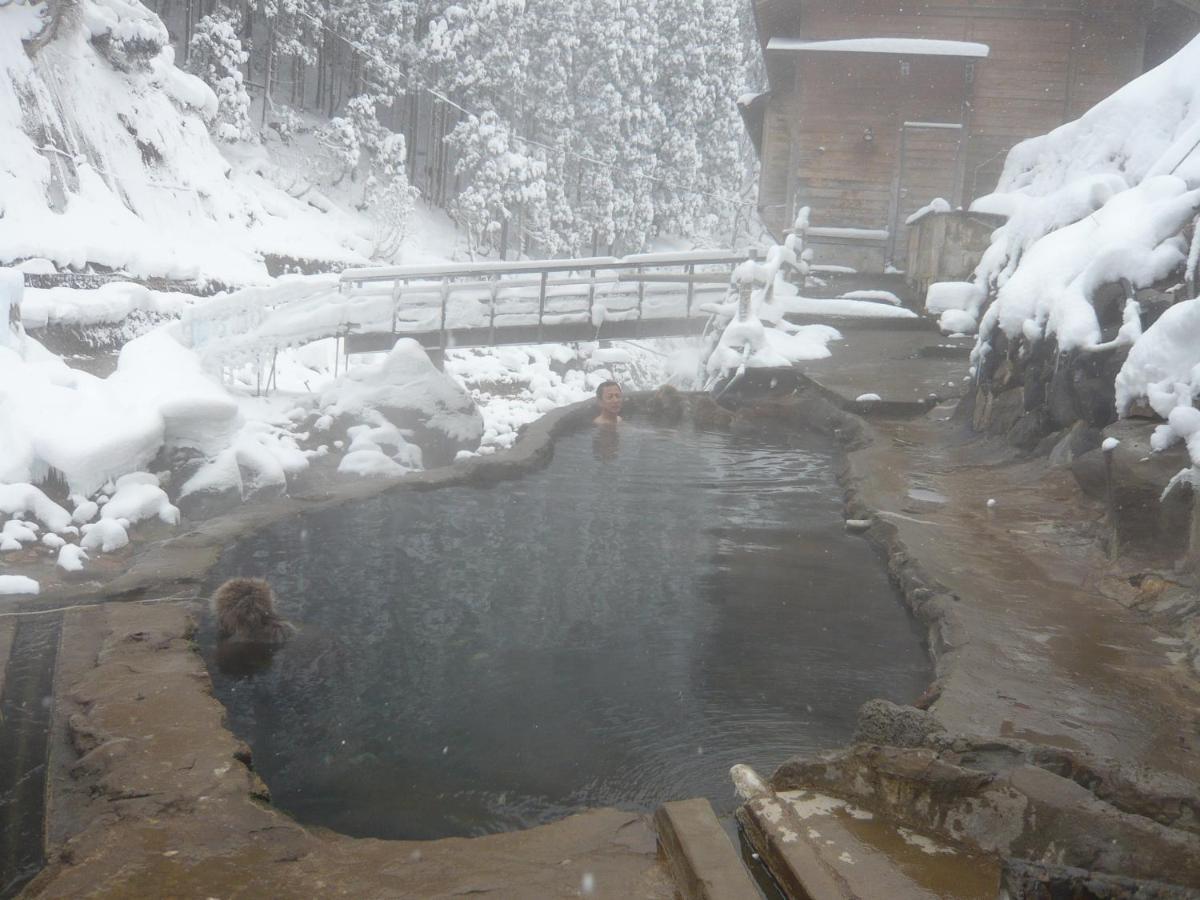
187, 29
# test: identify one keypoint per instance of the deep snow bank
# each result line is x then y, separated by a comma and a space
1098, 210
1100, 199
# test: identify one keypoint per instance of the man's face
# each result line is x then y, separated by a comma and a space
610, 400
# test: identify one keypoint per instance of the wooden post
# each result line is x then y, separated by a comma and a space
745, 291
492, 312
395, 302
542, 303
445, 303
1110, 506
641, 301
689, 270
591, 293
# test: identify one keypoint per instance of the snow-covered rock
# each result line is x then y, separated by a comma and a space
71, 557
136, 500
104, 536
406, 391
18, 584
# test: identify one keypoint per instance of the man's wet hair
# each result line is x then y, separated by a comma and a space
603, 385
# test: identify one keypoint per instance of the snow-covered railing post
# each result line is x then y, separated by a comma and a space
396, 289
689, 270
445, 304
1193, 261
641, 289
745, 296
542, 304
495, 290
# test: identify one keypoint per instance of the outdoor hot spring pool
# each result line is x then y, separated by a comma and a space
615, 630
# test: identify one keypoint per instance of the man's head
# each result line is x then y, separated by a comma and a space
608, 397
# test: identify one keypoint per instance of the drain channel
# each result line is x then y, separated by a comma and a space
26, 711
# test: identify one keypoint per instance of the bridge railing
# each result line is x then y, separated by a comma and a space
525, 300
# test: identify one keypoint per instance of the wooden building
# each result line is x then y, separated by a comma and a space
876, 107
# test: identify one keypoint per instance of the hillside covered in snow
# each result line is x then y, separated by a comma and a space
106, 159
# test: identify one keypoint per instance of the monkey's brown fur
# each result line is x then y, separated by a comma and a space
666, 405
245, 611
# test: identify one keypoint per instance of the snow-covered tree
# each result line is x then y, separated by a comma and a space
216, 55
685, 100
478, 53
724, 146
502, 177
642, 123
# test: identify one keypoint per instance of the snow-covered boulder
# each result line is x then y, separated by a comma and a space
18, 584
407, 392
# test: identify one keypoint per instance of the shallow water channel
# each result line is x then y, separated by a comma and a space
617, 629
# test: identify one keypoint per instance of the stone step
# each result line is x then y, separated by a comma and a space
703, 862
823, 848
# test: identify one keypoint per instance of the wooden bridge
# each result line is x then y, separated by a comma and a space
488, 304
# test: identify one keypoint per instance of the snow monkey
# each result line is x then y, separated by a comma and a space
667, 405
245, 611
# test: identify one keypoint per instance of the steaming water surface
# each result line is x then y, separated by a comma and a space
618, 629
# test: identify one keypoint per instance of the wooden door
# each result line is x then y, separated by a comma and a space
927, 167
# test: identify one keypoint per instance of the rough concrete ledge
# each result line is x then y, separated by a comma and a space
929, 601
1025, 811
703, 862
1041, 881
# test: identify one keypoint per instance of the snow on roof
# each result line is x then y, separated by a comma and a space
892, 46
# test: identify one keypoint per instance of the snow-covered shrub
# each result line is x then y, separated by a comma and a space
341, 140
749, 330
216, 55
285, 123
390, 198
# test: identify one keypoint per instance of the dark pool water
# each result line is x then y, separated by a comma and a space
618, 629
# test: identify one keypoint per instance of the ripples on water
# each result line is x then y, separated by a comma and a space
618, 629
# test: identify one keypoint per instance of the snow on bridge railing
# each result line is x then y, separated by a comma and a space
595, 273
488, 303
537, 266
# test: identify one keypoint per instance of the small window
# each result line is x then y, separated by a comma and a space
905, 68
